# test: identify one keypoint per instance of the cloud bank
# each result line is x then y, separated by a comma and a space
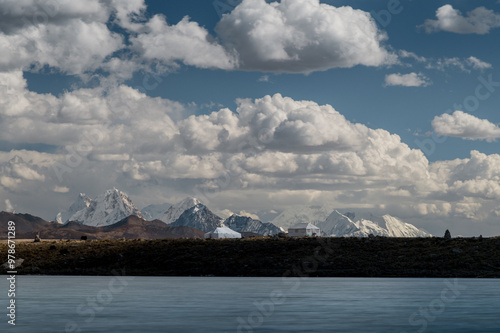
75, 38
279, 37
267, 153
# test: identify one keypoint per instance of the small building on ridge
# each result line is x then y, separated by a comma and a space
304, 230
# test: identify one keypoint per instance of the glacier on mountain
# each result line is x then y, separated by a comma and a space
82, 202
106, 209
175, 211
339, 225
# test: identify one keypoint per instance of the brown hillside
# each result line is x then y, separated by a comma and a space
132, 227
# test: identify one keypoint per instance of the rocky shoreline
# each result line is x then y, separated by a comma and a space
315, 257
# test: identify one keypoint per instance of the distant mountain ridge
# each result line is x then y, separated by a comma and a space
247, 224
114, 205
106, 209
340, 225
131, 227
25, 223
197, 215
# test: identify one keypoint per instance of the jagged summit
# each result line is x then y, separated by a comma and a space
247, 224
337, 224
175, 211
82, 202
398, 228
199, 217
108, 208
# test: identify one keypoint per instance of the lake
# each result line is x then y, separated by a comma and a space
219, 304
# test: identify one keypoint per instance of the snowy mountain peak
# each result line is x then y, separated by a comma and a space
108, 208
199, 217
398, 228
175, 211
368, 227
189, 201
82, 202
340, 225
337, 224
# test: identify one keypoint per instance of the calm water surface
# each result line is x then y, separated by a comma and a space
213, 304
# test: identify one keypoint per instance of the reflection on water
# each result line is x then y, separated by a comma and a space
208, 304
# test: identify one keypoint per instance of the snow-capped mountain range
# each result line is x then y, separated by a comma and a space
202, 218
339, 225
106, 209
114, 205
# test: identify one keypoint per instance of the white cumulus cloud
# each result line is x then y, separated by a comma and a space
463, 125
302, 36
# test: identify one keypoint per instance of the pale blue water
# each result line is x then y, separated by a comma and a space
212, 304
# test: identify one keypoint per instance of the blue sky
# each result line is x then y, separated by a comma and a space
146, 79
401, 110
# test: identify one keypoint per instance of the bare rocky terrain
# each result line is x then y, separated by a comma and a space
132, 227
322, 257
